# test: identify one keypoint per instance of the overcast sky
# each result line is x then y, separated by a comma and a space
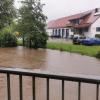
60, 8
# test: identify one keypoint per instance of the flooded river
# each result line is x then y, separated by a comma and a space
52, 61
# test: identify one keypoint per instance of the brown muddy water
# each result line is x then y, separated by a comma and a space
52, 61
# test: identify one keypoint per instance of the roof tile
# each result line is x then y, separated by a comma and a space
88, 18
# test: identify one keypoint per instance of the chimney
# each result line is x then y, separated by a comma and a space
96, 10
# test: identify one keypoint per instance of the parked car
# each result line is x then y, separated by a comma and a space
78, 39
91, 41
97, 41
70, 37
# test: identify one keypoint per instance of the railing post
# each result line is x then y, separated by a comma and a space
20, 87
97, 92
63, 85
48, 77
47, 88
8, 86
79, 91
33, 87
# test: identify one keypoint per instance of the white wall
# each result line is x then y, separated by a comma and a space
93, 28
49, 32
70, 32
88, 34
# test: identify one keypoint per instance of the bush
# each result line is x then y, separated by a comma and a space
98, 55
38, 40
7, 39
97, 35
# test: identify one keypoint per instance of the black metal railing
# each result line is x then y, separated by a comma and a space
74, 78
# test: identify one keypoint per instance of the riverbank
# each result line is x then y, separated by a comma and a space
93, 51
83, 50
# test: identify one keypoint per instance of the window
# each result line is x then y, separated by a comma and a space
72, 30
76, 21
59, 32
56, 32
63, 32
98, 29
53, 32
86, 29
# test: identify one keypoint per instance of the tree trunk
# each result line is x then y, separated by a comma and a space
30, 45
23, 41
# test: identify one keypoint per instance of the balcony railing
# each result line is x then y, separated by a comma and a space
73, 78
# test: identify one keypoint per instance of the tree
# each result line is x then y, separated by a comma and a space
7, 12
32, 23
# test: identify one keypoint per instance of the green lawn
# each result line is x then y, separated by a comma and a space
84, 50
19, 42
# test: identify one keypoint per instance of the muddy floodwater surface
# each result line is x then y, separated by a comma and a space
50, 60
47, 60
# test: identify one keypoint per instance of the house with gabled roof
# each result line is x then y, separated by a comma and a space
86, 23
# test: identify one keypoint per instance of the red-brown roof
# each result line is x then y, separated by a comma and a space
58, 23
88, 18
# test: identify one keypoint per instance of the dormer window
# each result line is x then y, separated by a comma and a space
76, 21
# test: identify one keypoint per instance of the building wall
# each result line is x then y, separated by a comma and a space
71, 32
50, 32
93, 27
88, 34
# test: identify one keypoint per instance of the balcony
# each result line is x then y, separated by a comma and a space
48, 77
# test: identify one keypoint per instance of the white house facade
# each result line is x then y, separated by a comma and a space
95, 28
86, 23
62, 32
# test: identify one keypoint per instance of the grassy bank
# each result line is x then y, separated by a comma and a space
93, 51
19, 42
83, 50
